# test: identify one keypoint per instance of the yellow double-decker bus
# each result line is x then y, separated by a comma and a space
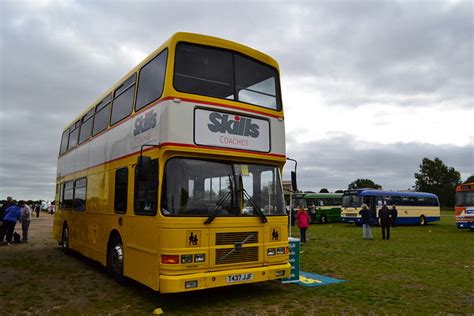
173, 176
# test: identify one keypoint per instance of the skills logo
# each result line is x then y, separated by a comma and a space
223, 123
145, 122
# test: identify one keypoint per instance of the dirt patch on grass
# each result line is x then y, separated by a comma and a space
38, 278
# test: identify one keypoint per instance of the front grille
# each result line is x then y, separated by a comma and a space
231, 238
351, 214
229, 255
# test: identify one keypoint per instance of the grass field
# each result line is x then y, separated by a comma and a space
420, 270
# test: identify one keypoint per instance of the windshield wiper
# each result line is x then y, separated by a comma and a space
217, 208
256, 209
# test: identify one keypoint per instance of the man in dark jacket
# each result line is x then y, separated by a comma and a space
3, 210
4, 207
384, 217
394, 215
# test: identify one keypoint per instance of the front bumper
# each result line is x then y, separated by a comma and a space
355, 220
465, 224
206, 280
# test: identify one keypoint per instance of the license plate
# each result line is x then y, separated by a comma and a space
239, 277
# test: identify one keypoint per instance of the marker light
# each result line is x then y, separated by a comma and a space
200, 257
270, 251
186, 258
170, 259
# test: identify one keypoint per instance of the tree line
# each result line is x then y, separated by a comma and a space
433, 177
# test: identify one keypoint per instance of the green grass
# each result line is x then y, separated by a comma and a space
420, 270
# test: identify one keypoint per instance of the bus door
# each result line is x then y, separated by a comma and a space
141, 229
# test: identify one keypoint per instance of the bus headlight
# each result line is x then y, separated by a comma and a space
270, 251
200, 257
186, 259
280, 250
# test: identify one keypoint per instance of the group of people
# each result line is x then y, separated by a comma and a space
10, 213
387, 217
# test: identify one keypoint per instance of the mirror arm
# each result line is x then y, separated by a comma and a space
147, 145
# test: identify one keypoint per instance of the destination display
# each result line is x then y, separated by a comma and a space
213, 128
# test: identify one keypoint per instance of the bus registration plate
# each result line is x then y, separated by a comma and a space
239, 277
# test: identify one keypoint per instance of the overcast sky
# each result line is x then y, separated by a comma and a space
370, 88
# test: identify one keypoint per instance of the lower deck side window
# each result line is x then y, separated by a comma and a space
74, 194
146, 191
121, 190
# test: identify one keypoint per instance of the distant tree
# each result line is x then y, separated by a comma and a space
364, 183
470, 179
323, 190
339, 191
435, 177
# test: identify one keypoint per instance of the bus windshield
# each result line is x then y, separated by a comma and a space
226, 75
465, 198
351, 200
195, 187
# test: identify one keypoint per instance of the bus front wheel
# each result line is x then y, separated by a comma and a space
115, 259
422, 220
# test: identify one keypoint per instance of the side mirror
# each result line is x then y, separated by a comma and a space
294, 185
143, 167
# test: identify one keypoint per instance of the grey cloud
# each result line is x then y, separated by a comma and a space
58, 57
336, 162
394, 48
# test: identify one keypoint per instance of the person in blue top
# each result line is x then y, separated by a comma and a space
12, 215
366, 222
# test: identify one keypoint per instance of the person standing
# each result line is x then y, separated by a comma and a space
25, 222
384, 217
394, 215
312, 212
12, 215
303, 223
366, 219
38, 209
4, 207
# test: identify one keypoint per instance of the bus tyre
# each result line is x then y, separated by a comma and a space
323, 219
422, 220
115, 260
65, 239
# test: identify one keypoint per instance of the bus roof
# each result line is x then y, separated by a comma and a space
388, 193
171, 42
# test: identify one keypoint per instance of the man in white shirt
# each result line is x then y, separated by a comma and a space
25, 221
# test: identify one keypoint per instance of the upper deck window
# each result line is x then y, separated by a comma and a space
86, 127
123, 100
102, 114
73, 136
150, 82
465, 198
64, 141
226, 75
